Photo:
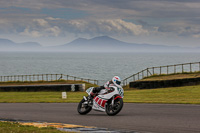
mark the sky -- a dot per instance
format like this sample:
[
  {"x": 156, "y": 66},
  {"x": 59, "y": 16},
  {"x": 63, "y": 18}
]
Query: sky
[{"x": 57, "y": 22}]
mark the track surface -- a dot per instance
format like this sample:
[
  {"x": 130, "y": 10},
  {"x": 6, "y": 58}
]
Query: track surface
[{"x": 160, "y": 118}]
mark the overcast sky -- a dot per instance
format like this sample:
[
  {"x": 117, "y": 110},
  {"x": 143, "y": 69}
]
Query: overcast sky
[{"x": 56, "y": 22}]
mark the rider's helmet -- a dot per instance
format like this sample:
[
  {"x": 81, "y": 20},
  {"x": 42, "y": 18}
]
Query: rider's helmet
[{"x": 116, "y": 80}]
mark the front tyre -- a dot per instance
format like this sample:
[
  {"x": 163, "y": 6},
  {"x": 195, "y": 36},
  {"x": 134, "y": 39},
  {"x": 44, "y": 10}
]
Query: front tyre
[
  {"x": 116, "y": 108},
  {"x": 83, "y": 107}
]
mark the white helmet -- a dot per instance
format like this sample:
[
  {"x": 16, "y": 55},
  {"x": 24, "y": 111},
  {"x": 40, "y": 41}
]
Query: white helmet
[{"x": 116, "y": 80}]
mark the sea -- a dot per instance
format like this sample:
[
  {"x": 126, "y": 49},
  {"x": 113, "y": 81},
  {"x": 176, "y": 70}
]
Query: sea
[{"x": 99, "y": 66}]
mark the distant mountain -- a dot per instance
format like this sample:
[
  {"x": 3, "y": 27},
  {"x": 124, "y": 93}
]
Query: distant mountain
[
  {"x": 8, "y": 45},
  {"x": 108, "y": 44},
  {"x": 97, "y": 44}
]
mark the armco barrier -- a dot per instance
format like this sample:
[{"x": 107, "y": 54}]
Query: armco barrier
[
  {"x": 169, "y": 69},
  {"x": 44, "y": 77},
  {"x": 52, "y": 87},
  {"x": 164, "y": 83}
]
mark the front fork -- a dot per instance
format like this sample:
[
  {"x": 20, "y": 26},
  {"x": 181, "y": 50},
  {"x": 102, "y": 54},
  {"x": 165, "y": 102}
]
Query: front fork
[
  {"x": 112, "y": 103},
  {"x": 87, "y": 101},
  {"x": 85, "y": 98}
]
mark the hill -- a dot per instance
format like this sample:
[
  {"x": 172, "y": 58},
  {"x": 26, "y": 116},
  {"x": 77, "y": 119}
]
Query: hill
[
  {"x": 97, "y": 44},
  {"x": 8, "y": 45},
  {"x": 108, "y": 44}
]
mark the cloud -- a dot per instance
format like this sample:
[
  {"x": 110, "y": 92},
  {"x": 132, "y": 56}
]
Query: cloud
[
  {"x": 53, "y": 31},
  {"x": 116, "y": 18},
  {"x": 41, "y": 28},
  {"x": 105, "y": 26},
  {"x": 51, "y": 18},
  {"x": 95, "y": 27},
  {"x": 114, "y": 8},
  {"x": 181, "y": 28},
  {"x": 34, "y": 34},
  {"x": 196, "y": 36},
  {"x": 41, "y": 22}
]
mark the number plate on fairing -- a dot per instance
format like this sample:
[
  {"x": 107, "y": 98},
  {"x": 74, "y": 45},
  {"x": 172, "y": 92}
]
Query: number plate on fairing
[{"x": 121, "y": 92}]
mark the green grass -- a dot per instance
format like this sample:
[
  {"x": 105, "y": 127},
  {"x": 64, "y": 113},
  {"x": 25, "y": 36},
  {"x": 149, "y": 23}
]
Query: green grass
[
  {"x": 172, "y": 76},
  {"x": 173, "y": 95},
  {"x": 39, "y": 97},
  {"x": 13, "y": 127},
  {"x": 182, "y": 95},
  {"x": 87, "y": 85}
]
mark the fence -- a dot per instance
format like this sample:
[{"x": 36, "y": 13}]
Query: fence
[
  {"x": 44, "y": 77},
  {"x": 170, "y": 69}
]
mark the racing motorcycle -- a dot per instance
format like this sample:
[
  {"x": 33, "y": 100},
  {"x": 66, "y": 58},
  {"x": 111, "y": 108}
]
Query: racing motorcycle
[{"x": 109, "y": 101}]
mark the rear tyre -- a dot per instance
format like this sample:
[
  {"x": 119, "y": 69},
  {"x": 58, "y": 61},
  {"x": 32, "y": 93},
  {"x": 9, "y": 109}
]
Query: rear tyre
[
  {"x": 116, "y": 108},
  {"x": 83, "y": 108}
]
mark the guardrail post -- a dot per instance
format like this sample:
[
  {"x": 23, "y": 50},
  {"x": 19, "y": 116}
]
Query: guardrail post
[
  {"x": 167, "y": 70},
  {"x": 160, "y": 70},
  {"x": 46, "y": 77},
  {"x": 142, "y": 73},
  {"x": 199, "y": 66},
  {"x": 174, "y": 68},
  {"x": 153, "y": 70},
  {"x": 182, "y": 68},
  {"x": 56, "y": 77}
]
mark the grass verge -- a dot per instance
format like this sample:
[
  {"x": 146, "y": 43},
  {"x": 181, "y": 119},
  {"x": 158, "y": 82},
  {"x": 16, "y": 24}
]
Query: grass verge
[
  {"x": 174, "y": 95},
  {"x": 172, "y": 76},
  {"x": 13, "y": 127},
  {"x": 87, "y": 84}
]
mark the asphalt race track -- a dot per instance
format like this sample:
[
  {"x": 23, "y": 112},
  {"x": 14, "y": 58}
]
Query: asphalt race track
[{"x": 159, "y": 118}]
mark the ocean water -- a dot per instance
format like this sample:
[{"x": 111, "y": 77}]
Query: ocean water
[{"x": 100, "y": 66}]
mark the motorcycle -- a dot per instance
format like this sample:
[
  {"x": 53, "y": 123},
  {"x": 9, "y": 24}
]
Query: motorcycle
[{"x": 109, "y": 101}]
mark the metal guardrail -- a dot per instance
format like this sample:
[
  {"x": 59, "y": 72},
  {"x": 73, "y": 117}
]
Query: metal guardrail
[
  {"x": 169, "y": 69},
  {"x": 44, "y": 77}
]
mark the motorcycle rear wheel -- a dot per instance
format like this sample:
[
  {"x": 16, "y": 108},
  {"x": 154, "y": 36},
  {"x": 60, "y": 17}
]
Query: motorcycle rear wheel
[
  {"x": 118, "y": 104},
  {"x": 83, "y": 109}
]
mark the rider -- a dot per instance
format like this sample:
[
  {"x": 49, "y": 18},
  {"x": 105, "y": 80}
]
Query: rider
[{"x": 116, "y": 81}]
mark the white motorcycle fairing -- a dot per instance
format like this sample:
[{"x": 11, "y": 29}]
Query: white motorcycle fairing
[{"x": 99, "y": 102}]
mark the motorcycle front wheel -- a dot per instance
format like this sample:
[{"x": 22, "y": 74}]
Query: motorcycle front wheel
[
  {"x": 116, "y": 108},
  {"x": 83, "y": 108}
]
